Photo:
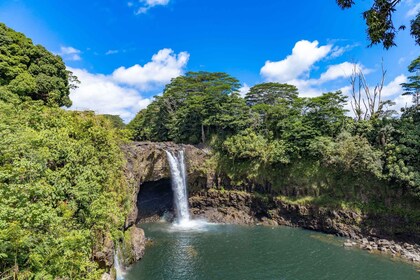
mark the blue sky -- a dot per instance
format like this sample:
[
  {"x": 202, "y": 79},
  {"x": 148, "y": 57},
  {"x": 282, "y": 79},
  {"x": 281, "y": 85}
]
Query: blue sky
[{"x": 125, "y": 51}]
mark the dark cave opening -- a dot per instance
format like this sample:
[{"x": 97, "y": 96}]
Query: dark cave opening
[{"x": 155, "y": 198}]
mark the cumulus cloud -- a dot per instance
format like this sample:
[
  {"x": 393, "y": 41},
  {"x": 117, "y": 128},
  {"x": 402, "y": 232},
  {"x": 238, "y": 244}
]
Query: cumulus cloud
[
  {"x": 164, "y": 66},
  {"x": 99, "y": 93},
  {"x": 121, "y": 93},
  {"x": 342, "y": 70},
  {"x": 296, "y": 67},
  {"x": 70, "y": 53},
  {"x": 244, "y": 90},
  {"x": 146, "y": 5},
  {"x": 303, "y": 57},
  {"x": 394, "y": 87}
]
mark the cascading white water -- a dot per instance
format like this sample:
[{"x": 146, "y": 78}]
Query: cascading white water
[
  {"x": 179, "y": 185},
  {"x": 118, "y": 270}
]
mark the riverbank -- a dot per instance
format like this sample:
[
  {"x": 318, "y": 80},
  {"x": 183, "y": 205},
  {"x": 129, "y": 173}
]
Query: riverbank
[{"x": 242, "y": 208}]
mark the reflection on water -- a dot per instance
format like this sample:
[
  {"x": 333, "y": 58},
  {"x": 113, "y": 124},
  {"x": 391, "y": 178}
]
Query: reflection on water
[{"x": 234, "y": 252}]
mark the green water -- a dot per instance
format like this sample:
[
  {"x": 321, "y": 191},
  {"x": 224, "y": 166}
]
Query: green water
[{"x": 234, "y": 252}]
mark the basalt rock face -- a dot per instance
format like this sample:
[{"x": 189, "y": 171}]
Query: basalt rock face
[
  {"x": 246, "y": 208},
  {"x": 370, "y": 232},
  {"x": 147, "y": 162}
]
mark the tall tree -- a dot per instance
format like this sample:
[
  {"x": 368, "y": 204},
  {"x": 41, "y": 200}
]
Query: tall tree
[
  {"x": 367, "y": 102},
  {"x": 32, "y": 72},
  {"x": 270, "y": 93},
  {"x": 380, "y": 26},
  {"x": 412, "y": 87},
  {"x": 193, "y": 107}
]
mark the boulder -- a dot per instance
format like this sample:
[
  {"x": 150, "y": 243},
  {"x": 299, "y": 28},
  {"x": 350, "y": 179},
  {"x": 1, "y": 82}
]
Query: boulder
[{"x": 133, "y": 245}]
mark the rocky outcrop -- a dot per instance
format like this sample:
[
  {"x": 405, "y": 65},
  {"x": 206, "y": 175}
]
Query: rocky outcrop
[
  {"x": 147, "y": 167},
  {"x": 245, "y": 208},
  {"x": 146, "y": 162},
  {"x": 404, "y": 250},
  {"x": 133, "y": 245},
  {"x": 103, "y": 251}
]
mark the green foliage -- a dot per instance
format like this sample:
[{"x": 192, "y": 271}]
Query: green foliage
[
  {"x": 193, "y": 107},
  {"x": 115, "y": 120},
  {"x": 270, "y": 94},
  {"x": 61, "y": 183},
  {"x": 412, "y": 87},
  {"x": 32, "y": 72},
  {"x": 415, "y": 28},
  {"x": 251, "y": 146},
  {"x": 380, "y": 26},
  {"x": 402, "y": 151},
  {"x": 350, "y": 154}
]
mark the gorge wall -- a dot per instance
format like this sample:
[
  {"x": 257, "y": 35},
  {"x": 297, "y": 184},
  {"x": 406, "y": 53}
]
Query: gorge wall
[
  {"x": 148, "y": 172},
  {"x": 147, "y": 167}
]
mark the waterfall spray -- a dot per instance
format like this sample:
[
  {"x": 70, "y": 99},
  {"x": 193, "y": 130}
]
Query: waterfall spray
[
  {"x": 118, "y": 270},
  {"x": 179, "y": 185}
]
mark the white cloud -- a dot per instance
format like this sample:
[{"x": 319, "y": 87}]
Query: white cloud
[
  {"x": 413, "y": 11},
  {"x": 402, "y": 101},
  {"x": 338, "y": 51},
  {"x": 146, "y": 5},
  {"x": 99, "y": 93},
  {"x": 342, "y": 70},
  {"x": 394, "y": 87},
  {"x": 109, "y": 52},
  {"x": 391, "y": 91},
  {"x": 303, "y": 57},
  {"x": 244, "y": 90},
  {"x": 164, "y": 66},
  {"x": 119, "y": 93},
  {"x": 70, "y": 53}
]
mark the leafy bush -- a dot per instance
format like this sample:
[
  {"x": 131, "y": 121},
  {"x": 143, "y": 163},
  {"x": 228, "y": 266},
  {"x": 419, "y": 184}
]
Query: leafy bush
[{"x": 61, "y": 183}]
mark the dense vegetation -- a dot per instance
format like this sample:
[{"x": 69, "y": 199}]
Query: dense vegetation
[
  {"x": 62, "y": 187},
  {"x": 61, "y": 182},
  {"x": 280, "y": 142}
]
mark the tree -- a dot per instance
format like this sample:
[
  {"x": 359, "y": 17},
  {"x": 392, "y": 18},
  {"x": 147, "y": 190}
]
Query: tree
[
  {"x": 192, "y": 108},
  {"x": 413, "y": 86},
  {"x": 270, "y": 93},
  {"x": 326, "y": 113},
  {"x": 365, "y": 103},
  {"x": 380, "y": 26},
  {"x": 32, "y": 72}
]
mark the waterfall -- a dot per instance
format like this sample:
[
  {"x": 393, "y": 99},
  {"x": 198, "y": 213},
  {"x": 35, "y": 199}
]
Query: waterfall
[
  {"x": 119, "y": 272},
  {"x": 179, "y": 185}
]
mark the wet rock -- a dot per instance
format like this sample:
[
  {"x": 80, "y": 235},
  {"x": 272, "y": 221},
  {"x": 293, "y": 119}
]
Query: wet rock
[
  {"x": 133, "y": 245},
  {"x": 106, "y": 276},
  {"x": 348, "y": 243},
  {"x": 147, "y": 162}
]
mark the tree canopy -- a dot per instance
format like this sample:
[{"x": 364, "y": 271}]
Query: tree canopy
[
  {"x": 32, "y": 72},
  {"x": 62, "y": 188},
  {"x": 270, "y": 93},
  {"x": 380, "y": 26}
]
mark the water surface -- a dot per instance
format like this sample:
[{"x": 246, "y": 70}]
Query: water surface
[{"x": 232, "y": 252}]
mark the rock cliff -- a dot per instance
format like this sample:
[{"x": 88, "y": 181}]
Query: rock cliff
[
  {"x": 146, "y": 162},
  {"x": 147, "y": 168}
]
